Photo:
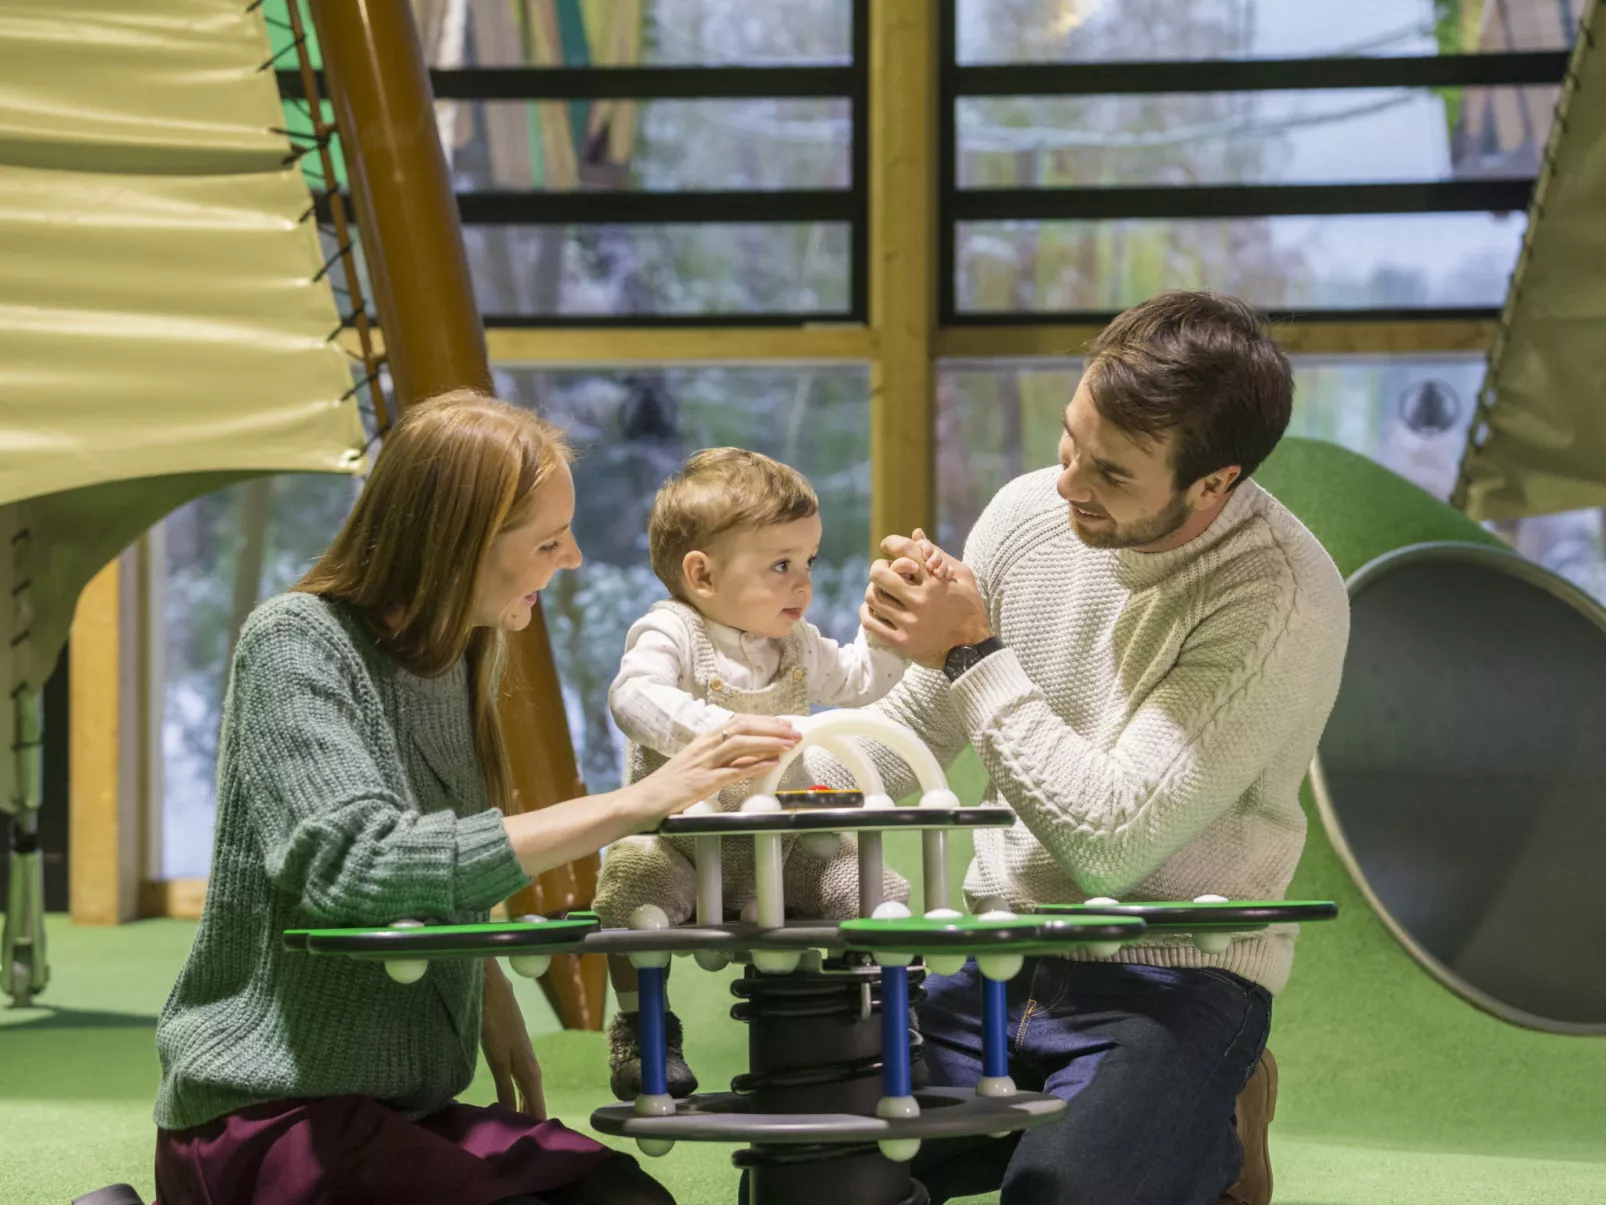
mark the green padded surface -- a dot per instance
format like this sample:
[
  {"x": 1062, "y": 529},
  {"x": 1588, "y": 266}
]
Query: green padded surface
[
  {"x": 1357, "y": 508},
  {"x": 1237, "y": 916},
  {"x": 443, "y": 941}
]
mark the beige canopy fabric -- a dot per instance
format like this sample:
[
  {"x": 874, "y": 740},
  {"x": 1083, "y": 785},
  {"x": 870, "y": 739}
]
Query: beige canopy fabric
[
  {"x": 1542, "y": 445},
  {"x": 162, "y": 329}
]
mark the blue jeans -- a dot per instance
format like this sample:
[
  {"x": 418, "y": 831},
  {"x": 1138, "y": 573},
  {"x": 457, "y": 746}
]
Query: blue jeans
[{"x": 1149, "y": 1060}]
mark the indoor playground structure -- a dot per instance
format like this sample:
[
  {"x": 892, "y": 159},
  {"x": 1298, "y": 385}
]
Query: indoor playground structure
[
  {"x": 235, "y": 243},
  {"x": 828, "y": 1103}
]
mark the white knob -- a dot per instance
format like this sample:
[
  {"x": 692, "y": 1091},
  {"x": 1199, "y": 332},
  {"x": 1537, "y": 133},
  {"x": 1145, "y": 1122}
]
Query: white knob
[
  {"x": 649, "y": 916},
  {"x": 406, "y": 970},
  {"x": 892, "y": 1108},
  {"x": 661, "y": 1105},
  {"x": 652, "y": 918},
  {"x": 999, "y": 966},
  {"x": 944, "y": 964},
  {"x": 777, "y": 962},
  {"x": 712, "y": 960},
  {"x": 891, "y": 910}
]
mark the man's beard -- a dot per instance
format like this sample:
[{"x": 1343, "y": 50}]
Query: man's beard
[{"x": 1138, "y": 532}]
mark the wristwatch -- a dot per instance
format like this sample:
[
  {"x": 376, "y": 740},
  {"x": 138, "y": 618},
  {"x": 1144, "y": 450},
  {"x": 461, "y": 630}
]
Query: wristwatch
[{"x": 963, "y": 657}]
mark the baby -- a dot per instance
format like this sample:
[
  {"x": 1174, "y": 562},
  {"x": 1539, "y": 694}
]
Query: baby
[{"x": 733, "y": 535}]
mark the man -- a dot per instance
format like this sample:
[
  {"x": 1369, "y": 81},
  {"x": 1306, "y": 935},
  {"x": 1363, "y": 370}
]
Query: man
[{"x": 1143, "y": 647}]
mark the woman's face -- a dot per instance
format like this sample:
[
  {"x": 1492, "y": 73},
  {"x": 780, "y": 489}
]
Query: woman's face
[{"x": 523, "y": 559}]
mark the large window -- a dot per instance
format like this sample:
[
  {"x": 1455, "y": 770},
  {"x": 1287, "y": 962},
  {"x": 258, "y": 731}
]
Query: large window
[
  {"x": 683, "y": 161},
  {"x": 1364, "y": 160},
  {"x": 1094, "y": 31},
  {"x": 224, "y": 553}
]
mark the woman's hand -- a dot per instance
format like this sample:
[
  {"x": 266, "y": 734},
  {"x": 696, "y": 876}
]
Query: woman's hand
[
  {"x": 745, "y": 748},
  {"x": 558, "y": 834},
  {"x": 506, "y": 1043}
]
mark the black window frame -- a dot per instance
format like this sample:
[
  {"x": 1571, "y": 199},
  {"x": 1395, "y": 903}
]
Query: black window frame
[
  {"x": 958, "y": 81},
  {"x": 849, "y": 207}
]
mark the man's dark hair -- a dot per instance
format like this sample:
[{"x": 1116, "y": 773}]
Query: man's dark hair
[{"x": 1199, "y": 365}]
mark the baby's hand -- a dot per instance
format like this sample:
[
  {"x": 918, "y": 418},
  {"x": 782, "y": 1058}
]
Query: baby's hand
[{"x": 936, "y": 562}]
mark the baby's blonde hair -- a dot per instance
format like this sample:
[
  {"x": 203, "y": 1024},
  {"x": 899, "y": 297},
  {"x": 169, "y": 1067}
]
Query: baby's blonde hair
[{"x": 716, "y": 491}]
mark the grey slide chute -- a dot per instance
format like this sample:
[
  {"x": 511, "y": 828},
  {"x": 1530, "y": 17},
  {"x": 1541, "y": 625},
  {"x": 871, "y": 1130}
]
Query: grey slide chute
[{"x": 1462, "y": 776}]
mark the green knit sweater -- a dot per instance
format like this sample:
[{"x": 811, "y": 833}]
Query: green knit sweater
[{"x": 349, "y": 794}]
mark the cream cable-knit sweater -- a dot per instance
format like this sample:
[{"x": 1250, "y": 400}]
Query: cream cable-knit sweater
[{"x": 1151, "y": 716}]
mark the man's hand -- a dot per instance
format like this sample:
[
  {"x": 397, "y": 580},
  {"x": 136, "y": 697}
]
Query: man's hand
[
  {"x": 922, "y": 602},
  {"x": 506, "y": 1043}
]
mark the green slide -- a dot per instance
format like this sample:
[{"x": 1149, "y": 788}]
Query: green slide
[{"x": 1393, "y": 1087}]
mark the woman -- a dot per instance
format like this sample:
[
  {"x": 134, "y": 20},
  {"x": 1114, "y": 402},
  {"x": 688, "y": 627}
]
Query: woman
[{"x": 362, "y": 779}]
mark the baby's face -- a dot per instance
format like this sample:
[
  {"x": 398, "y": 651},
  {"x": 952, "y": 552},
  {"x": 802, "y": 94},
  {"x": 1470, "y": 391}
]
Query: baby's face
[{"x": 759, "y": 579}]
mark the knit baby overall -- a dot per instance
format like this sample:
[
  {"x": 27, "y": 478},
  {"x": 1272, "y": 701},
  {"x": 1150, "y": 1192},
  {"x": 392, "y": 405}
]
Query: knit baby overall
[{"x": 662, "y": 870}]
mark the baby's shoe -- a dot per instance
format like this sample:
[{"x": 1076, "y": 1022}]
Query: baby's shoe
[{"x": 624, "y": 1057}]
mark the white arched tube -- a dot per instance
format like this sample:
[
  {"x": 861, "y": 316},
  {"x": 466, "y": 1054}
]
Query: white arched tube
[
  {"x": 856, "y": 760},
  {"x": 847, "y": 722}
]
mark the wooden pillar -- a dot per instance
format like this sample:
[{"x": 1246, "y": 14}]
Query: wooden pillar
[
  {"x": 903, "y": 265},
  {"x": 104, "y": 794},
  {"x": 378, "y": 82}
]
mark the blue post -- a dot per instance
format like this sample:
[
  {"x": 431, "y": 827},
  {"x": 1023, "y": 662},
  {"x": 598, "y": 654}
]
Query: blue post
[
  {"x": 895, "y": 1031},
  {"x": 654, "y": 1051},
  {"x": 994, "y": 1048}
]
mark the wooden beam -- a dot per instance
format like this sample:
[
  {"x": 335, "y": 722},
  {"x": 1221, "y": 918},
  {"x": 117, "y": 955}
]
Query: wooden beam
[
  {"x": 104, "y": 842},
  {"x": 903, "y": 264},
  {"x": 378, "y": 83},
  {"x": 180, "y": 898},
  {"x": 1385, "y": 338},
  {"x": 1057, "y": 340},
  {"x": 563, "y": 347}
]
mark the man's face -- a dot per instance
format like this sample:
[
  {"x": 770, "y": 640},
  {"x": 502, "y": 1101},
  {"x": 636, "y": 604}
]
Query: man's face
[{"x": 1122, "y": 492}]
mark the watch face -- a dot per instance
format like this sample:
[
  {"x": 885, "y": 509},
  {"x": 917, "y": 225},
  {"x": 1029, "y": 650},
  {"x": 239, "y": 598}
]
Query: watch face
[{"x": 960, "y": 659}]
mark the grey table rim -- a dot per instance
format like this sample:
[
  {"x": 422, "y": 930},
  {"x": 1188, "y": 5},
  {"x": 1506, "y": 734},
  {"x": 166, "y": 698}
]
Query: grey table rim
[
  {"x": 733, "y": 938},
  {"x": 813, "y": 820},
  {"x": 945, "y": 1113}
]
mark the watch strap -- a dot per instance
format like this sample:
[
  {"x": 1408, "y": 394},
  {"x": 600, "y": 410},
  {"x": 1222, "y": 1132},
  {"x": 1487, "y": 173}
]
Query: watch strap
[{"x": 964, "y": 657}]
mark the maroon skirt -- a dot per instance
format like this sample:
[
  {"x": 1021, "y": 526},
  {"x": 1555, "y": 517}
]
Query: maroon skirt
[{"x": 348, "y": 1150}]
